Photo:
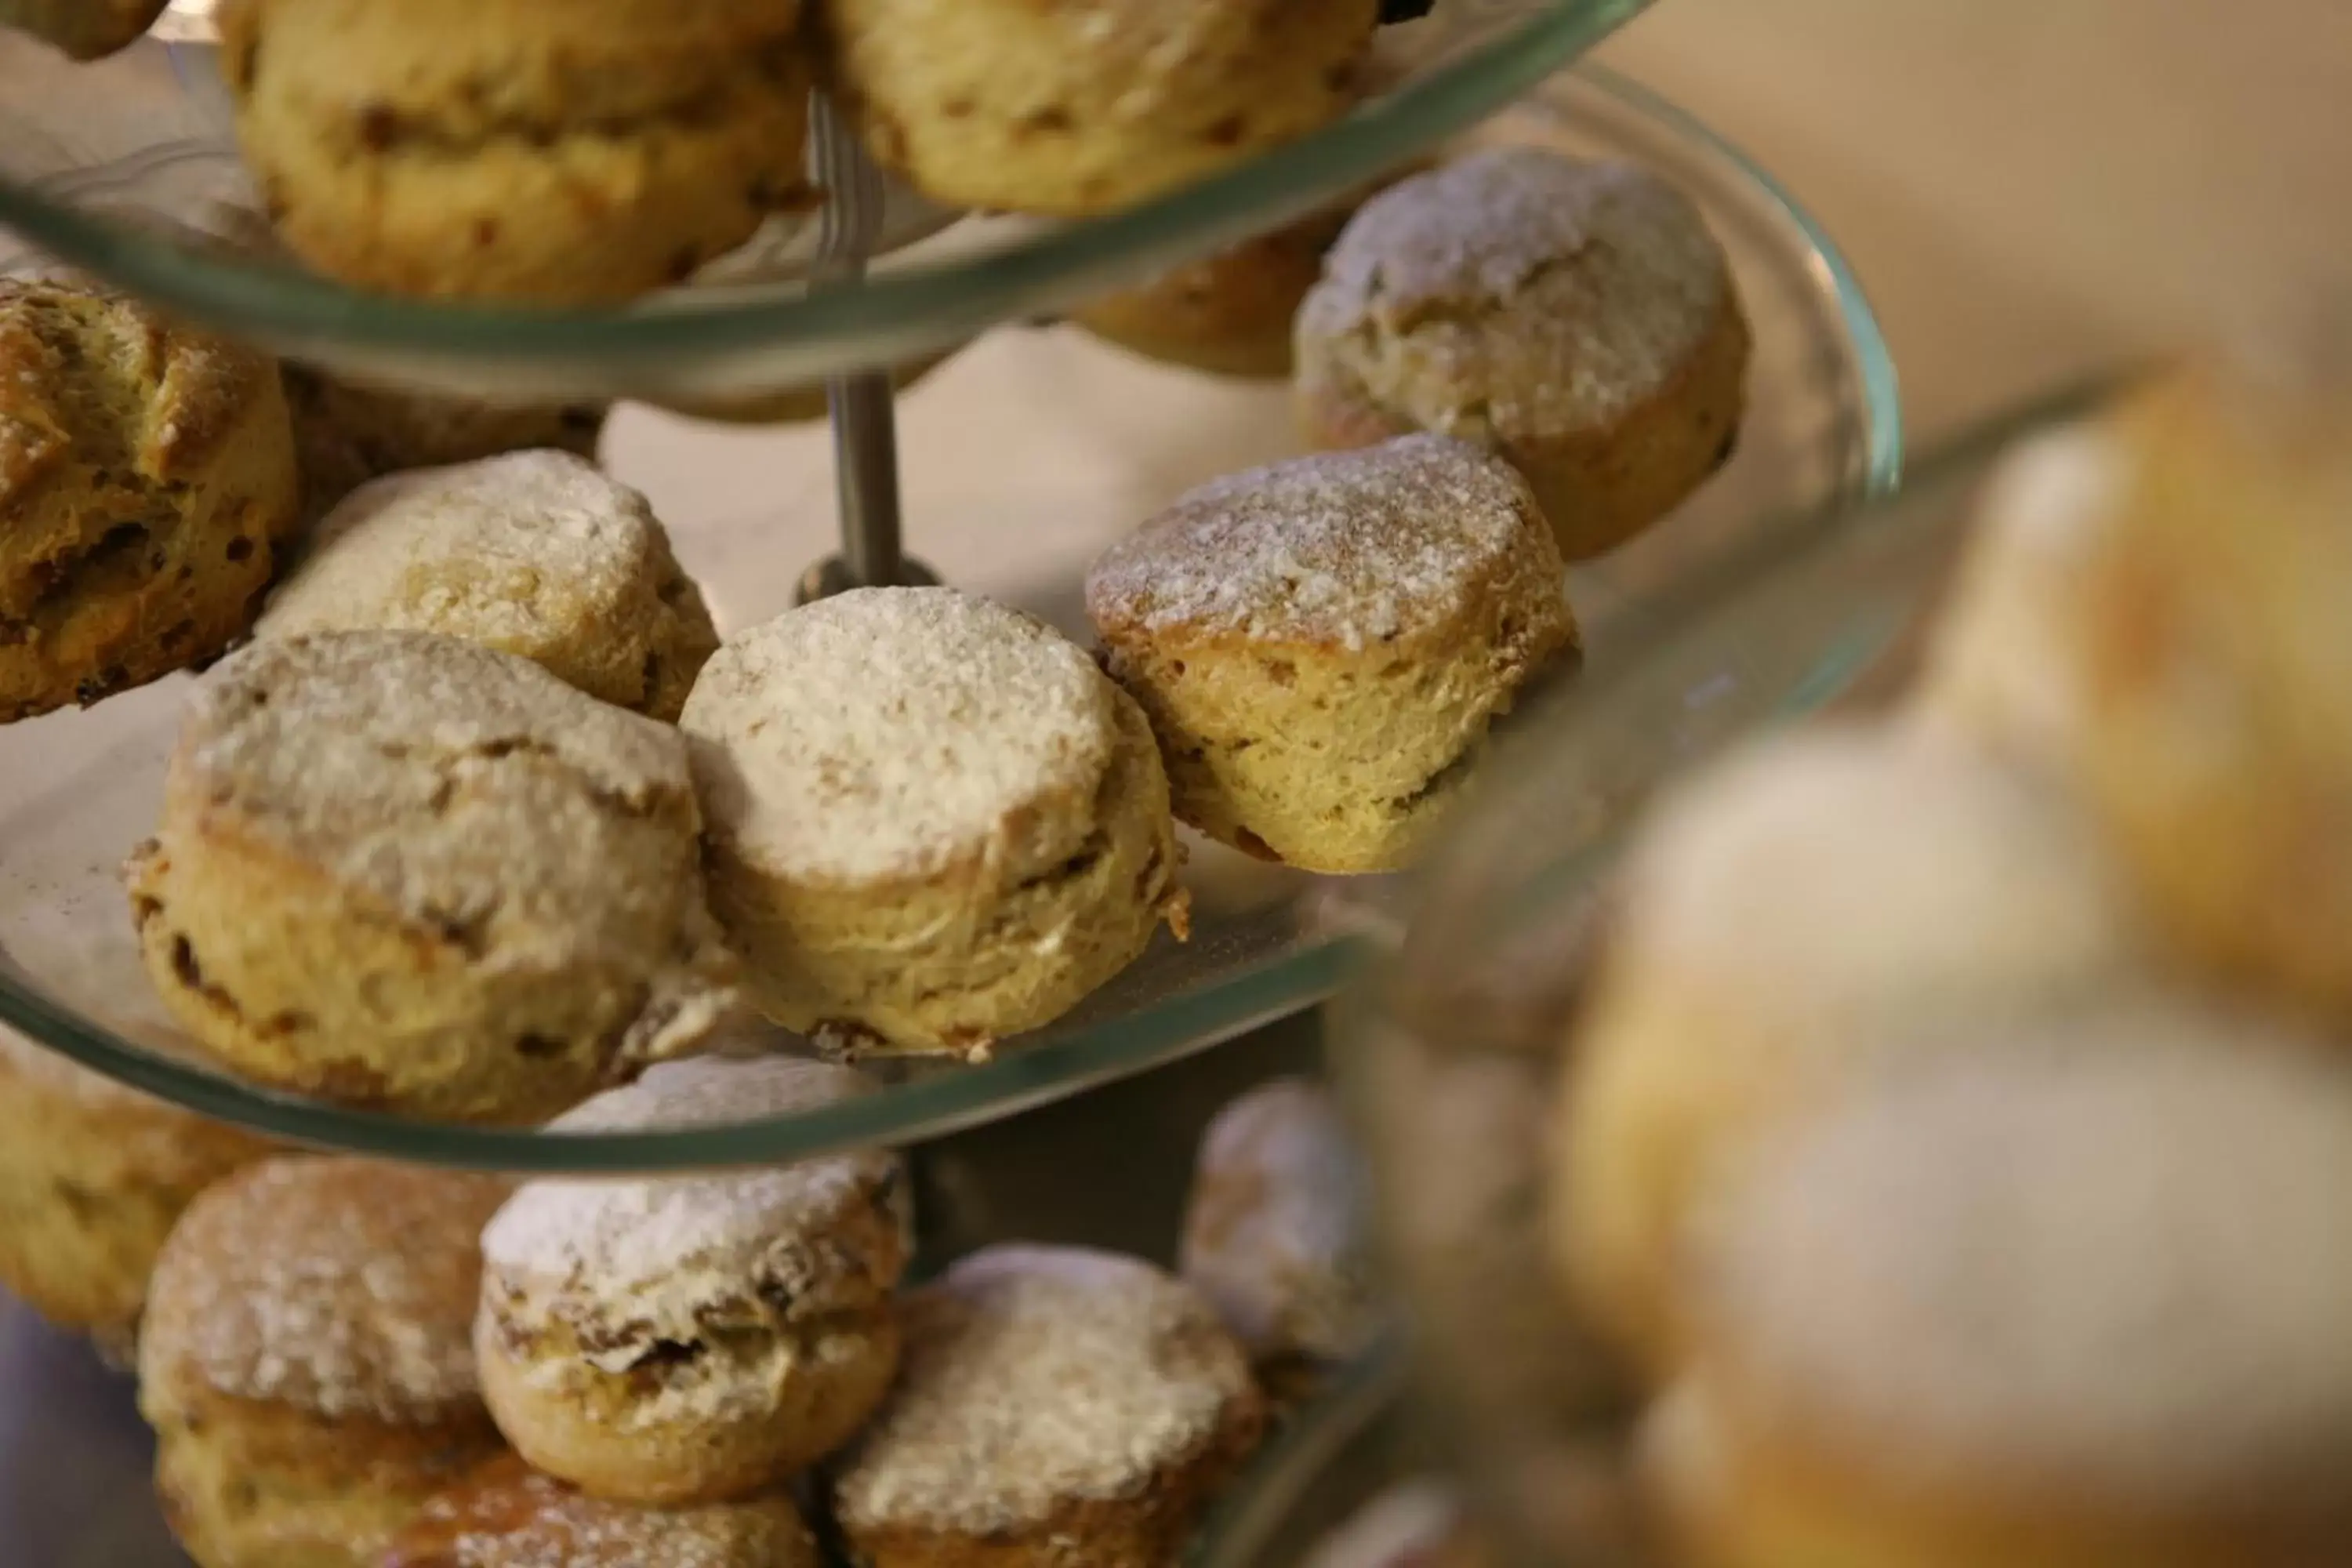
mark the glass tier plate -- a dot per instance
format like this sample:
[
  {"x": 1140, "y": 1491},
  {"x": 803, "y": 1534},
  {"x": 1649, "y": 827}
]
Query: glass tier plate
[
  {"x": 1449, "y": 1042},
  {"x": 1050, "y": 439},
  {"x": 128, "y": 169}
]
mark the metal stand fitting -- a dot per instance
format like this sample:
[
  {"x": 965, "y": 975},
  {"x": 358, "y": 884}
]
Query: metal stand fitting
[{"x": 862, "y": 406}]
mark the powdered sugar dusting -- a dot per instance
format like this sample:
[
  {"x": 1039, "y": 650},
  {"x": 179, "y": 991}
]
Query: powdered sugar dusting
[
  {"x": 507, "y": 1515},
  {"x": 894, "y": 731},
  {"x": 652, "y": 1250},
  {"x": 1035, "y": 1377},
  {"x": 1591, "y": 282},
  {"x": 1346, "y": 548},
  {"x": 2110, "y": 1255},
  {"x": 515, "y": 551},
  {"x": 337, "y": 1286}
]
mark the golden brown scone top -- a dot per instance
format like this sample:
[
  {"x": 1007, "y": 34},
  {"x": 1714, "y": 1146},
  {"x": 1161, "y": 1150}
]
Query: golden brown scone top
[
  {"x": 1388, "y": 544},
  {"x": 342, "y": 1287},
  {"x": 458, "y": 786},
  {"x": 1521, "y": 290},
  {"x": 1036, "y": 1378},
  {"x": 91, "y": 381},
  {"x": 507, "y": 1515}
]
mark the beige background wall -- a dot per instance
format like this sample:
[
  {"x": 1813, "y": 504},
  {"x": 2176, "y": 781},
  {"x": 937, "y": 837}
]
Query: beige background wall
[{"x": 2032, "y": 187}]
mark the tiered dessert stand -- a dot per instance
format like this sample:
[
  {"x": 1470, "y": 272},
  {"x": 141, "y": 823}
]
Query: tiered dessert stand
[{"x": 1005, "y": 471}]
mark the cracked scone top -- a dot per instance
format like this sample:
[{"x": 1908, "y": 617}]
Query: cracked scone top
[
  {"x": 1050, "y": 1396},
  {"x": 687, "y": 1339},
  {"x": 634, "y": 1261},
  {"x": 538, "y": 553},
  {"x": 399, "y": 869}
]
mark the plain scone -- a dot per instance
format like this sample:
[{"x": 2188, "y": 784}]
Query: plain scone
[
  {"x": 85, "y": 29},
  {"x": 506, "y": 150},
  {"x": 92, "y": 1178},
  {"x": 1577, "y": 318},
  {"x": 305, "y": 1364},
  {"x": 696, "y": 1339},
  {"x": 932, "y": 821},
  {"x": 1322, "y": 645},
  {"x": 1795, "y": 917},
  {"x": 507, "y": 1515},
  {"x": 346, "y": 434},
  {"x": 146, "y": 478},
  {"x": 1073, "y": 109},
  {"x": 2068, "y": 1296},
  {"x": 398, "y": 870},
  {"x": 535, "y": 553},
  {"x": 1058, "y": 1406}
]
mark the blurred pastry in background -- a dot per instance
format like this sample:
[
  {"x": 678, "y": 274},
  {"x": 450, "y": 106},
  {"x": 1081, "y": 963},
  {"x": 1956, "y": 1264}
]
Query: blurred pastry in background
[
  {"x": 619, "y": 148},
  {"x": 933, "y": 821},
  {"x": 93, "y": 1177},
  {"x": 1070, "y": 111},
  {"x": 347, "y": 432},
  {"x": 1419, "y": 1523},
  {"x": 1577, "y": 318},
  {"x": 402, "y": 871},
  {"x": 2005, "y": 661},
  {"x": 1276, "y": 1234},
  {"x": 146, "y": 480},
  {"x": 307, "y": 1359},
  {"x": 1323, "y": 645},
  {"x": 2070, "y": 1295},
  {"x": 85, "y": 29},
  {"x": 2215, "y": 743},
  {"x": 535, "y": 553},
  {"x": 1057, "y": 1406},
  {"x": 1787, "y": 921}
]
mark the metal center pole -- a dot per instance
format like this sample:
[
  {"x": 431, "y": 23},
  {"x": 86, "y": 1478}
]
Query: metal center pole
[{"x": 862, "y": 406}]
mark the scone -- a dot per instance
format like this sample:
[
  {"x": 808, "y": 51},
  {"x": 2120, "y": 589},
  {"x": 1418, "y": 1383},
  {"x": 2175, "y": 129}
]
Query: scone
[
  {"x": 1786, "y": 923},
  {"x": 1277, "y": 1236},
  {"x": 500, "y": 150},
  {"x": 507, "y": 1515},
  {"x": 86, "y": 30},
  {"x": 146, "y": 478},
  {"x": 2073, "y": 1298},
  {"x": 536, "y": 553},
  {"x": 1070, "y": 111},
  {"x": 695, "y": 1339},
  {"x": 1322, "y": 645},
  {"x": 401, "y": 872},
  {"x": 346, "y": 434},
  {"x": 1058, "y": 1407},
  {"x": 933, "y": 821},
  {"x": 1577, "y": 318},
  {"x": 2216, "y": 736},
  {"x": 1229, "y": 313},
  {"x": 93, "y": 1177},
  {"x": 305, "y": 1360}
]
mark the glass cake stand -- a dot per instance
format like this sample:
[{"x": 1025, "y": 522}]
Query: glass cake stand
[
  {"x": 1103, "y": 440},
  {"x": 128, "y": 170}
]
